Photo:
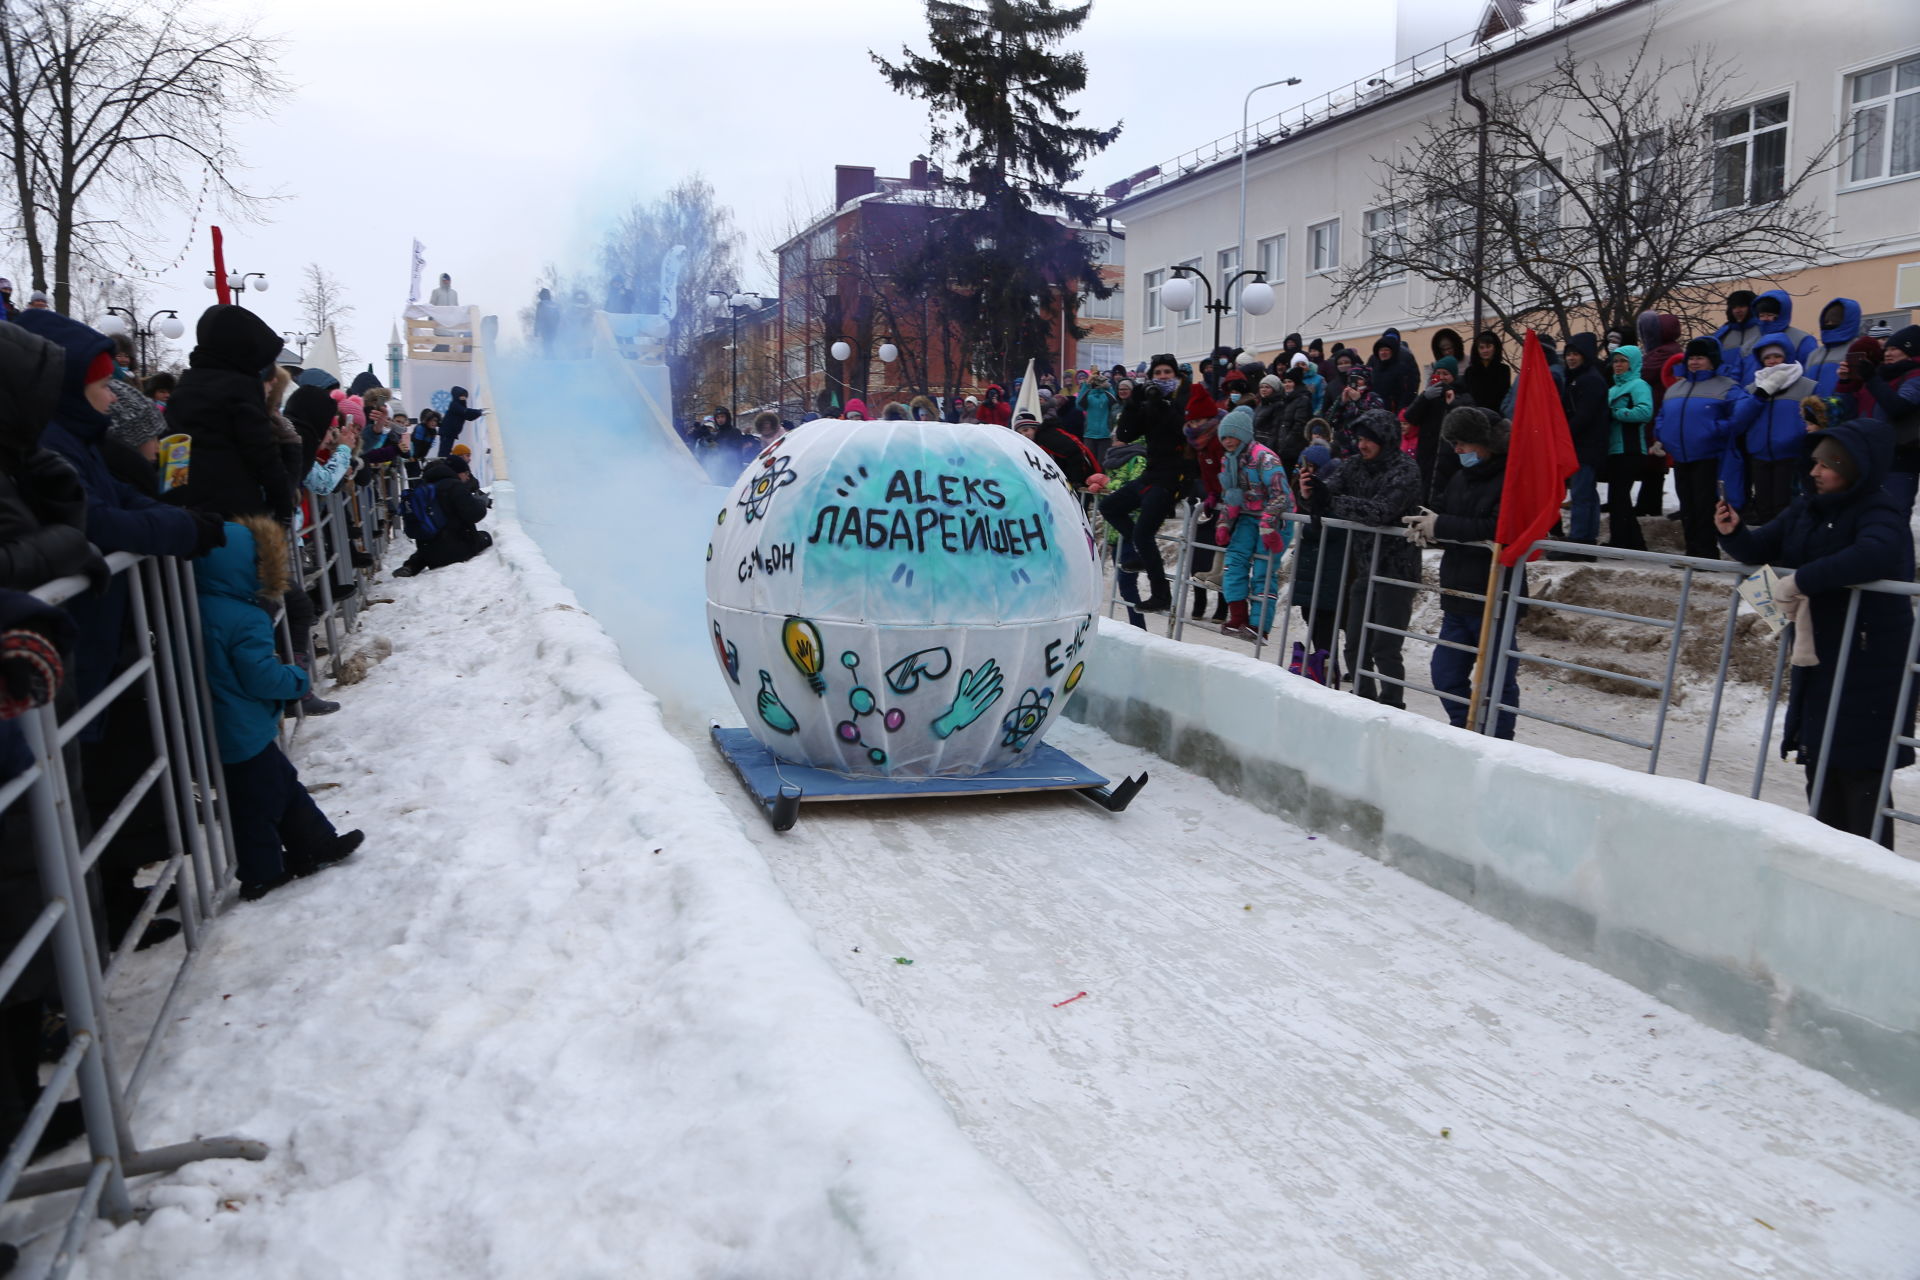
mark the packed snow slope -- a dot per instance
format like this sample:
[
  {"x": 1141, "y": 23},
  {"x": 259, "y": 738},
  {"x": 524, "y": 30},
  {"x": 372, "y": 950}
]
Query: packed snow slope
[
  {"x": 553, "y": 1019},
  {"x": 1290, "y": 1060}
]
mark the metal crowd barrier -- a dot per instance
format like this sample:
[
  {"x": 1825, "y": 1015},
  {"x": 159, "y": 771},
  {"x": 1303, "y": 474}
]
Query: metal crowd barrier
[
  {"x": 43, "y": 806},
  {"x": 1511, "y": 597}
]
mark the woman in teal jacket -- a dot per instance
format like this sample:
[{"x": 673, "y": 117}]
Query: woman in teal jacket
[
  {"x": 1098, "y": 401},
  {"x": 1630, "y": 407}
]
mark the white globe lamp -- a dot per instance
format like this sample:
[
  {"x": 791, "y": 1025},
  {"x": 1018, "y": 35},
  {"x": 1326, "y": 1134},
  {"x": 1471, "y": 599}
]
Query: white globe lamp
[
  {"x": 1256, "y": 297},
  {"x": 888, "y": 353},
  {"x": 1177, "y": 293},
  {"x": 172, "y": 327},
  {"x": 841, "y": 351},
  {"x": 112, "y": 326}
]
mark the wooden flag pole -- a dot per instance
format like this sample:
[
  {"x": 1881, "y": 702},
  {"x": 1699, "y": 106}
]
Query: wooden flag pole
[{"x": 1480, "y": 661}]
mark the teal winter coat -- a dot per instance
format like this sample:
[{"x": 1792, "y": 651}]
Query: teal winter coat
[{"x": 237, "y": 584}]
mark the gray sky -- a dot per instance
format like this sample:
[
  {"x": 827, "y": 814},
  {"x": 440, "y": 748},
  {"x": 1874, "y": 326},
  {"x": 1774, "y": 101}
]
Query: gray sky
[{"x": 505, "y": 135}]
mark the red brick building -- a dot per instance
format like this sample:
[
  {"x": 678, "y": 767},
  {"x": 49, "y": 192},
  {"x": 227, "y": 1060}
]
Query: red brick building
[{"x": 837, "y": 284}]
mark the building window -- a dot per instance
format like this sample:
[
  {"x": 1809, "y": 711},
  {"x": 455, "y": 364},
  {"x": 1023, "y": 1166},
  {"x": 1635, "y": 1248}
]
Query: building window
[
  {"x": 1193, "y": 313},
  {"x": 1270, "y": 255},
  {"x": 1323, "y": 246},
  {"x": 1536, "y": 199},
  {"x": 1111, "y": 307},
  {"x": 1226, "y": 262},
  {"x": 1386, "y": 233},
  {"x": 1750, "y": 154},
  {"x": 1156, "y": 314},
  {"x": 1639, "y": 170},
  {"x": 1886, "y": 122},
  {"x": 1101, "y": 355},
  {"x": 1453, "y": 231}
]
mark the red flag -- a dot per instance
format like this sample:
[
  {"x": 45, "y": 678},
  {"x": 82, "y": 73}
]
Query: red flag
[{"x": 1540, "y": 457}]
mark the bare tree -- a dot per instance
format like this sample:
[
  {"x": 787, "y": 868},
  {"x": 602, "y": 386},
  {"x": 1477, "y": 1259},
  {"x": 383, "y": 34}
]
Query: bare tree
[
  {"x": 688, "y": 215},
  {"x": 323, "y": 302},
  {"x": 1604, "y": 194},
  {"x": 115, "y": 108}
]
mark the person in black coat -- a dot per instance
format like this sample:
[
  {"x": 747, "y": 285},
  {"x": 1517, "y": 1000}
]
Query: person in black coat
[
  {"x": 43, "y": 509},
  {"x": 236, "y": 467},
  {"x": 455, "y": 419},
  {"x": 1845, "y": 528},
  {"x": 1467, "y": 486},
  {"x": 1395, "y": 373},
  {"x": 1156, "y": 414},
  {"x": 462, "y": 507},
  {"x": 1590, "y": 423},
  {"x": 1380, "y": 486},
  {"x": 1429, "y": 409},
  {"x": 1487, "y": 376}
]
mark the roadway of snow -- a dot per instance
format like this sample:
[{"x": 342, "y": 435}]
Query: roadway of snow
[{"x": 1293, "y": 1061}]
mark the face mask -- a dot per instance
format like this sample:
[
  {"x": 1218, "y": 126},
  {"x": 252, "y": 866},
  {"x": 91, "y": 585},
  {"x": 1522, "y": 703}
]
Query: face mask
[
  {"x": 1234, "y": 398},
  {"x": 1166, "y": 385},
  {"x": 1469, "y": 459}
]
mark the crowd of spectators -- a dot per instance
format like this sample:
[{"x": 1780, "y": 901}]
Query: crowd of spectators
[{"x": 229, "y": 466}]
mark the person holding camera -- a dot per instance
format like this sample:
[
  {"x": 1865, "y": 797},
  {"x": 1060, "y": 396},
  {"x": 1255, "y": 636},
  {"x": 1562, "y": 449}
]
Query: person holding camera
[{"x": 1154, "y": 413}]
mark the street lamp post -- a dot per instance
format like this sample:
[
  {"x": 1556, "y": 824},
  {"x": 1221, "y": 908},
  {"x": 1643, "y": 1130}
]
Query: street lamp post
[
  {"x": 238, "y": 282},
  {"x": 1245, "y": 106},
  {"x": 125, "y": 320},
  {"x": 301, "y": 338},
  {"x": 842, "y": 351},
  {"x": 736, "y": 304},
  {"x": 1177, "y": 294}
]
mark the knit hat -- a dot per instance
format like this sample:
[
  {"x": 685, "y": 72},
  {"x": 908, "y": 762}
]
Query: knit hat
[
  {"x": 1766, "y": 302},
  {"x": 1237, "y": 425},
  {"x": 39, "y": 295},
  {"x": 1907, "y": 340},
  {"x": 461, "y": 451},
  {"x": 1704, "y": 347},
  {"x": 1359, "y": 377},
  {"x": 1316, "y": 456},
  {"x": 1271, "y": 380},
  {"x": 855, "y": 408},
  {"x": 1465, "y": 424},
  {"x": 99, "y": 368},
  {"x": 1299, "y": 360},
  {"x": 1448, "y": 363}
]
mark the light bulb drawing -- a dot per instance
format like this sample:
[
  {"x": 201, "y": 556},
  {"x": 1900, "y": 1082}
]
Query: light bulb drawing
[{"x": 801, "y": 640}]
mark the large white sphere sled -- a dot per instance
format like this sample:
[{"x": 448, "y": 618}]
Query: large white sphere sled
[{"x": 901, "y": 599}]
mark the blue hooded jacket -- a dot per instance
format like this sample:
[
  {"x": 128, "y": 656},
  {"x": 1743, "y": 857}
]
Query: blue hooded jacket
[
  {"x": 1767, "y": 425},
  {"x": 1828, "y": 358},
  {"x": 1696, "y": 422},
  {"x": 1779, "y": 326},
  {"x": 245, "y": 676}
]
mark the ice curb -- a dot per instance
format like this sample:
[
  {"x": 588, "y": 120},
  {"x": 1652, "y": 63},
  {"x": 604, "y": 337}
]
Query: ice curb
[{"x": 1752, "y": 918}]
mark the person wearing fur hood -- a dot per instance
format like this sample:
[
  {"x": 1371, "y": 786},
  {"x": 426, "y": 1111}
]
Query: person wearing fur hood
[
  {"x": 1467, "y": 487},
  {"x": 1253, "y": 496},
  {"x": 278, "y": 831}
]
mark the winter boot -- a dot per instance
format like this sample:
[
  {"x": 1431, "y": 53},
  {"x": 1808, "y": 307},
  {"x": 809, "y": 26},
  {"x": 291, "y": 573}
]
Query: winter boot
[
  {"x": 1237, "y": 627},
  {"x": 1299, "y": 657},
  {"x": 1221, "y": 609},
  {"x": 313, "y": 704},
  {"x": 342, "y": 849},
  {"x": 1316, "y": 668},
  {"x": 1159, "y": 598}
]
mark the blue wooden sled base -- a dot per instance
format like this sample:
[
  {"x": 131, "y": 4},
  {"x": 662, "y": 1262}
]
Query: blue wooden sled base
[{"x": 780, "y": 788}]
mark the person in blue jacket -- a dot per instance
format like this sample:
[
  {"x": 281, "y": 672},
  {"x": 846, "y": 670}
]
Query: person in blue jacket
[
  {"x": 1769, "y": 434},
  {"x": 1695, "y": 429},
  {"x": 1101, "y": 405},
  {"x": 278, "y": 831},
  {"x": 1843, "y": 529},
  {"x": 1739, "y": 333},
  {"x": 118, "y": 517},
  {"x": 1839, "y": 326},
  {"x": 1774, "y": 309}
]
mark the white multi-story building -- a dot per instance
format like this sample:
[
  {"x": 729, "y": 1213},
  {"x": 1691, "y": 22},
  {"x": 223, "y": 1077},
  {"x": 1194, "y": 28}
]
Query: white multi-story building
[{"x": 1801, "y": 76}]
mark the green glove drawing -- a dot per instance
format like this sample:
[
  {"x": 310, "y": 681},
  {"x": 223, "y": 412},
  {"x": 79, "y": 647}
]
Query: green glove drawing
[{"x": 979, "y": 689}]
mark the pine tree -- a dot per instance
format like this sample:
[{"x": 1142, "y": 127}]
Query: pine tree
[{"x": 997, "y": 89}]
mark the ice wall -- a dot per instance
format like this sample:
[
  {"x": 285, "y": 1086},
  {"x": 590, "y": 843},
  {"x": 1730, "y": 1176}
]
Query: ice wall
[{"x": 1752, "y": 918}]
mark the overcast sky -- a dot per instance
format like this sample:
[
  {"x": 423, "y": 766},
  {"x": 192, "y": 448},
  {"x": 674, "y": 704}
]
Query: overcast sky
[{"x": 505, "y": 135}]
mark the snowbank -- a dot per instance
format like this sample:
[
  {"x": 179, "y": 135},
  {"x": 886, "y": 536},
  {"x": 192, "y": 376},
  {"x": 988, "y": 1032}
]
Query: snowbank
[
  {"x": 556, "y": 1019},
  {"x": 1751, "y": 918}
]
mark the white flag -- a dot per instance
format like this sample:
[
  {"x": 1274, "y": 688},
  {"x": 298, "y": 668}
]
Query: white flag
[{"x": 419, "y": 261}]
